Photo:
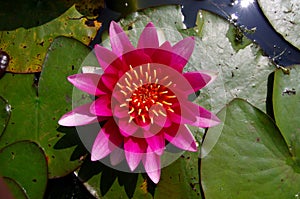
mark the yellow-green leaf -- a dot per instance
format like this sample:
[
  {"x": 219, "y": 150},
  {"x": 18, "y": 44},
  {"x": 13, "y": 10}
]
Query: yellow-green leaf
[{"x": 27, "y": 47}]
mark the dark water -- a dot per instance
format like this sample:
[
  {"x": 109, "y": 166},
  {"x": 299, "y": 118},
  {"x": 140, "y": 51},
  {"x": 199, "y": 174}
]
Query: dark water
[{"x": 272, "y": 43}]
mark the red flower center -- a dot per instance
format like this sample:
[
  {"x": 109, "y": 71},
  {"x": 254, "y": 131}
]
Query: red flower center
[{"x": 146, "y": 94}]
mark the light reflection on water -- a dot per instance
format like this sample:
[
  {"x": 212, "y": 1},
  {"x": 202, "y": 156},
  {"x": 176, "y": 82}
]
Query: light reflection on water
[
  {"x": 247, "y": 15},
  {"x": 246, "y": 3}
]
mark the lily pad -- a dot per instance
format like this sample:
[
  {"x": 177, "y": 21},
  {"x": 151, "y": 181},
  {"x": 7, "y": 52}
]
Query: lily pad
[
  {"x": 284, "y": 17},
  {"x": 27, "y": 47},
  {"x": 25, "y": 163},
  {"x": 250, "y": 159},
  {"x": 5, "y": 110},
  {"x": 286, "y": 103},
  {"x": 241, "y": 74},
  {"x": 35, "y": 111}
]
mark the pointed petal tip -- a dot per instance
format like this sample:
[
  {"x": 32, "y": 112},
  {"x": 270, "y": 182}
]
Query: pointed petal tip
[
  {"x": 193, "y": 147},
  {"x": 94, "y": 158},
  {"x": 114, "y": 24},
  {"x": 154, "y": 176},
  {"x": 148, "y": 37},
  {"x": 213, "y": 75},
  {"x": 150, "y": 25}
]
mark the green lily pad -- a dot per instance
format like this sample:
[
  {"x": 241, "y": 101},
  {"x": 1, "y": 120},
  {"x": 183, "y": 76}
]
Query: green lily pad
[
  {"x": 25, "y": 163},
  {"x": 250, "y": 159},
  {"x": 242, "y": 73},
  {"x": 5, "y": 110},
  {"x": 286, "y": 103},
  {"x": 15, "y": 189},
  {"x": 35, "y": 111},
  {"x": 284, "y": 17},
  {"x": 27, "y": 47}
]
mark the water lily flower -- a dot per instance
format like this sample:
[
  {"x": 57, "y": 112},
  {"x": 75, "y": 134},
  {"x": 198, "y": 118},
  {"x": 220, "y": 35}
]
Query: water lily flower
[{"x": 142, "y": 96}]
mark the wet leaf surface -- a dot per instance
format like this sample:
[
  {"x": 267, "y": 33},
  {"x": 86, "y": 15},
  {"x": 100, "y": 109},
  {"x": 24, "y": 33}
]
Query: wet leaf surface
[
  {"x": 4, "y": 114},
  {"x": 250, "y": 159}
]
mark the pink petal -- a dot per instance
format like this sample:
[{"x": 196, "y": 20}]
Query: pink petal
[
  {"x": 127, "y": 128},
  {"x": 148, "y": 38},
  {"x": 109, "y": 81},
  {"x": 199, "y": 79},
  {"x": 119, "y": 41},
  {"x": 116, "y": 156},
  {"x": 163, "y": 55},
  {"x": 134, "y": 151},
  {"x": 183, "y": 51},
  {"x": 166, "y": 46},
  {"x": 78, "y": 116},
  {"x": 156, "y": 143},
  {"x": 182, "y": 113},
  {"x": 105, "y": 57},
  {"x": 137, "y": 57},
  {"x": 181, "y": 137},
  {"x": 206, "y": 119},
  {"x": 152, "y": 165},
  {"x": 161, "y": 121},
  {"x": 107, "y": 140},
  {"x": 101, "y": 106},
  {"x": 87, "y": 82},
  {"x": 120, "y": 112},
  {"x": 194, "y": 115}
]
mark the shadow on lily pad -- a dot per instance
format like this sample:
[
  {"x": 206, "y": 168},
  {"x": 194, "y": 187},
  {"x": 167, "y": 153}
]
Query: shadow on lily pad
[
  {"x": 71, "y": 139},
  {"x": 109, "y": 175}
]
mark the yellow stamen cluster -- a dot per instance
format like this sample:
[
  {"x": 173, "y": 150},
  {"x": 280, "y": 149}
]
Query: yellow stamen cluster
[{"x": 145, "y": 93}]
